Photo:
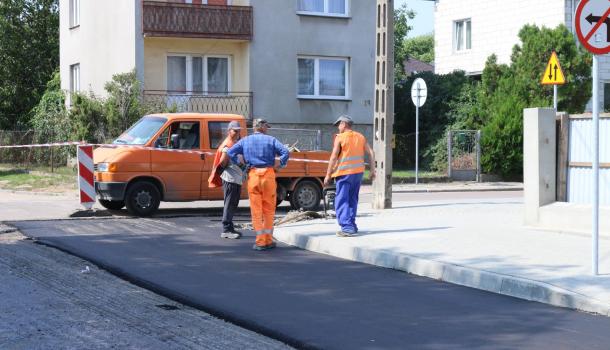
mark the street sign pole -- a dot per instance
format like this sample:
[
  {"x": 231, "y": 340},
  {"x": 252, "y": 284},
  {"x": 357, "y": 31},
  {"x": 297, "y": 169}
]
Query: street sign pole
[
  {"x": 589, "y": 20},
  {"x": 555, "y": 97},
  {"x": 417, "y": 137},
  {"x": 595, "y": 225},
  {"x": 419, "y": 94}
]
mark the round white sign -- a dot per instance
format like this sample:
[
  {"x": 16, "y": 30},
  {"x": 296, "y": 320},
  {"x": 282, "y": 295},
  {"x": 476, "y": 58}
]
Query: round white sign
[{"x": 419, "y": 92}]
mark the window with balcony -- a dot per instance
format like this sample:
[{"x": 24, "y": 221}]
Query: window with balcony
[
  {"x": 462, "y": 38},
  {"x": 323, "y": 78},
  {"x": 75, "y": 78},
  {"x": 336, "y": 8},
  {"x": 74, "y": 13},
  {"x": 198, "y": 74}
]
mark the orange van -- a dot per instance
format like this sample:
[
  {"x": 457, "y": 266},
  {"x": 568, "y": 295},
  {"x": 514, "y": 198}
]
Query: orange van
[{"x": 151, "y": 168}]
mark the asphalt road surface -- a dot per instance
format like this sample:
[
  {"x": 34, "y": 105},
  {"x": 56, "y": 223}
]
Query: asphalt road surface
[{"x": 310, "y": 300}]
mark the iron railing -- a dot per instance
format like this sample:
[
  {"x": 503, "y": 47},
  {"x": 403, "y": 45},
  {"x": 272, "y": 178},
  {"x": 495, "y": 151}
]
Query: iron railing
[
  {"x": 171, "y": 19},
  {"x": 200, "y": 102}
]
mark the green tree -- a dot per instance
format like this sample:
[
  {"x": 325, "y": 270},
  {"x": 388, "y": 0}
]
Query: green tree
[
  {"x": 402, "y": 16},
  {"x": 421, "y": 48},
  {"x": 29, "y": 54},
  {"x": 49, "y": 117},
  {"x": 123, "y": 106}
]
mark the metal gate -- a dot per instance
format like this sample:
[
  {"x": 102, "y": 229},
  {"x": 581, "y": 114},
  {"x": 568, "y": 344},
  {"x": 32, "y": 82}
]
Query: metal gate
[
  {"x": 464, "y": 155},
  {"x": 580, "y": 155}
]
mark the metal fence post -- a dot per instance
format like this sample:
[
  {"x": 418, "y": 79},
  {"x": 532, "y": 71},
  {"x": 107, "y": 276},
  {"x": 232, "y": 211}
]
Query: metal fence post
[
  {"x": 449, "y": 154},
  {"x": 479, "y": 156}
]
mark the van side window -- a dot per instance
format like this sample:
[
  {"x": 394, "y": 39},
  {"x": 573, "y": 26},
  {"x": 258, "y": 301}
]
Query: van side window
[
  {"x": 218, "y": 132},
  {"x": 188, "y": 135}
]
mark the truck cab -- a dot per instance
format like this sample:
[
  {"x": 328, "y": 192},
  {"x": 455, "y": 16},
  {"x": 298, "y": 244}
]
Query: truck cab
[{"x": 168, "y": 157}]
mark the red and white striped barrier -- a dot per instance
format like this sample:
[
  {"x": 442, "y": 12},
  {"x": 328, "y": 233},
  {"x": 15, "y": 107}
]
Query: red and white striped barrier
[{"x": 86, "y": 183}]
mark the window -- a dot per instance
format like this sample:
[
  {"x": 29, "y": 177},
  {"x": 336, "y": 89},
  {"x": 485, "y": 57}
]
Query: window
[
  {"x": 462, "y": 39},
  {"x": 199, "y": 74},
  {"x": 75, "y": 78},
  {"x": 188, "y": 135},
  {"x": 217, "y": 132},
  {"x": 322, "y": 7},
  {"x": 323, "y": 77},
  {"x": 74, "y": 13}
]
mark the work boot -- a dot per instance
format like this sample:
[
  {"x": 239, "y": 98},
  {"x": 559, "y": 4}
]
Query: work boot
[
  {"x": 263, "y": 247},
  {"x": 346, "y": 234},
  {"x": 230, "y": 235}
]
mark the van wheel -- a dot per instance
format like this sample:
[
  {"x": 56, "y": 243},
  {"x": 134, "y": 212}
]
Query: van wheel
[
  {"x": 142, "y": 198},
  {"x": 306, "y": 195},
  {"x": 112, "y": 205}
]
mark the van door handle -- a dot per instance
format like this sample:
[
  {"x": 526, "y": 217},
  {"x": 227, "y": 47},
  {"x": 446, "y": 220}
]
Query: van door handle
[{"x": 202, "y": 155}]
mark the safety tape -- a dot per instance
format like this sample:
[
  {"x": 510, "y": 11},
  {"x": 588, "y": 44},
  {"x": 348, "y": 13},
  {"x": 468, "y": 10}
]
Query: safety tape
[
  {"x": 75, "y": 143},
  {"x": 57, "y": 144}
]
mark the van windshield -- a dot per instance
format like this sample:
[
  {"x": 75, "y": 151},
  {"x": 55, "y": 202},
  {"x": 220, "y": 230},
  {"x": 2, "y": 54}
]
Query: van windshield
[{"x": 141, "y": 132}]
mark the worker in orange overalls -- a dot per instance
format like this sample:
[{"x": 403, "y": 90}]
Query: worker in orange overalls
[
  {"x": 346, "y": 166},
  {"x": 259, "y": 151}
]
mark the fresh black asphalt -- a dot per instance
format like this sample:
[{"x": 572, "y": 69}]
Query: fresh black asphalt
[{"x": 310, "y": 300}]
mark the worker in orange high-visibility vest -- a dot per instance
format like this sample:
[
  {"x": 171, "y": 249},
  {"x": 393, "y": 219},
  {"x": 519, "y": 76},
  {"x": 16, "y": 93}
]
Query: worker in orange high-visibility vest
[
  {"x": 346, "y": 166},
  {"x": 259, "y": 151}
]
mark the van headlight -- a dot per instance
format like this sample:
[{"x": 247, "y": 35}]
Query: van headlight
[{"x": 105, "y": 167}]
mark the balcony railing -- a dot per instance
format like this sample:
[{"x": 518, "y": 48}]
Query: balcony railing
[
  {"x": 170, "y": 19},
  {"x": 199, "y": 102}
]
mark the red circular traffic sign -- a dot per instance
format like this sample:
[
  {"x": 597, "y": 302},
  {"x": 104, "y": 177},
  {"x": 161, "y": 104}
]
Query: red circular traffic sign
[{"x": 591, "y": 15}]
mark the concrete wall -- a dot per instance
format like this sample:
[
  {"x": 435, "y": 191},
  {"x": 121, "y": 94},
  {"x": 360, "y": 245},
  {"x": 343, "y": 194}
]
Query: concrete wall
[
  {"x": 495, "y": 28},
  {"x": 156, "y": 51},
  {"x": 539, "y": 160},
  {"x": 104, "y": 44},
  {"x": 281, "y": 35}
]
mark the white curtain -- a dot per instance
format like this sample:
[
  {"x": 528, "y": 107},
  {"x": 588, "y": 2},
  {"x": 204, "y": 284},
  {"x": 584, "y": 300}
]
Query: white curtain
[
  {"x": 218, "y": 75},
  {"x": 306, "y": 76},
  {"x": 176, "y": 73},
  {"x": 332, "y": 77},
  {"x": 336, "y": 6},
  {"x": 459, "y": 36},
  {"x": 311, "y": 5}
]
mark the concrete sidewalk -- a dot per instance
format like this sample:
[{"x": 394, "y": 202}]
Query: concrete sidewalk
[
  {"x": 455, "y": 186},
  {"x": 476, "y": 243}
]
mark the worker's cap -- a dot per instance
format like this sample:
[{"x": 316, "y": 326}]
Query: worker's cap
[
  {"x": 260, "y": 122},
  {"x": 234, "y": 125},
  {"x": 344, "y": 118}
]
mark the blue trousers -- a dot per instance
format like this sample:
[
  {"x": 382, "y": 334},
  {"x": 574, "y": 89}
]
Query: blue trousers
[{"x": 346, "y": 201}]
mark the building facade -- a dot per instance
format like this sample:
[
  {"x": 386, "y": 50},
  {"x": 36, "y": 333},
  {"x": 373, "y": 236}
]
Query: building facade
[
  {"x": 299, "y": 63},
  {"x": 467, "y": 32}
]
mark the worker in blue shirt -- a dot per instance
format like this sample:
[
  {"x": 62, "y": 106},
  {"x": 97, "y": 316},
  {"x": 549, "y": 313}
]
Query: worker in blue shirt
[{"x": 259, "y": 151}]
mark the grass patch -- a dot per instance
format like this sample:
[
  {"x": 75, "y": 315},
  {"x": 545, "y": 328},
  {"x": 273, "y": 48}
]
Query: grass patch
[{"x": 37, "y": 179}]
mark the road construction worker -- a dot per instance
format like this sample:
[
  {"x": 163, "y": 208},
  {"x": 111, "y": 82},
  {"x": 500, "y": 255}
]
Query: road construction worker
[
  {"x": 259, "y": 151},
  {"x": 346, "y": 166},
  {"x": 230, "y": 176}
]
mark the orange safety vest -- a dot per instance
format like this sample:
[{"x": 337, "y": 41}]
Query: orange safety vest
[
  {"x": 351, "y": 157},
  {"x": 214, "y": 180}
]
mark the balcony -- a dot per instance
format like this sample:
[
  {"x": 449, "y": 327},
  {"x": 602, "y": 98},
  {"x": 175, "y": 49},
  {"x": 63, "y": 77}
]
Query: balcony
[
  {"x": 170, "y": 19},
  {"x": 199, "y": 102}
]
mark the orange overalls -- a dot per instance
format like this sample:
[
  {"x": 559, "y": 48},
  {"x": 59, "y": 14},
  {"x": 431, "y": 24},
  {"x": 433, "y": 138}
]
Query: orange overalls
[{"x": 262, "y": 192}]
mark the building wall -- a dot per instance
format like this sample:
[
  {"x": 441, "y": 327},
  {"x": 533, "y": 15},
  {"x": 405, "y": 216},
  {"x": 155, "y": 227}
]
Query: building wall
[
  {"x": 280, "y": 36},
  {"x": 156, "y": 51},
  {"x": 495, "y": 28},
  {"x": 104, "y": 44}
]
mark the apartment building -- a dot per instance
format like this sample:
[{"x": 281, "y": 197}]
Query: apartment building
[
  {"x": 299, "y": 63},
  {"x": 467, "y": 32}
]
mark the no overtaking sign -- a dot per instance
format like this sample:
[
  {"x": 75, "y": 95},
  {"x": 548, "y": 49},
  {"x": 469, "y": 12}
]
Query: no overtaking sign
[{"x": 593, "y": 25}]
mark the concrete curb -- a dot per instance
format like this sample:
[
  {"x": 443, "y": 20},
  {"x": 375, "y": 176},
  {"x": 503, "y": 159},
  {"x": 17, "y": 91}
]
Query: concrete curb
[
  {"x": 503, "y": 189},
  {"x": 513, "y": 286}
]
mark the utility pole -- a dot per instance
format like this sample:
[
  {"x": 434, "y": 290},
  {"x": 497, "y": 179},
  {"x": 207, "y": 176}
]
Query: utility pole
[{"x": 383, "y": 125}]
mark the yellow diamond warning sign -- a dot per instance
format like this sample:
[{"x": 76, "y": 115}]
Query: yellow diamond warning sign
[{"x": 553, "y": 75}]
